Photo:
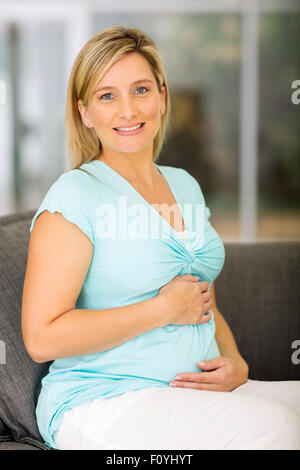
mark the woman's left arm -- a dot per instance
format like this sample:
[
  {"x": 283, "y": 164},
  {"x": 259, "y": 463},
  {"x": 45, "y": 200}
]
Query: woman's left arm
[{"x": 224, "y": 373}]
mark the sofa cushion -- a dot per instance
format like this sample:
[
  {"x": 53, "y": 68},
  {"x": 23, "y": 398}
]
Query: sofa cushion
[
  {"x": 5, "y": 434},
  {"x": 20, "y": 376},
  {"x": 11, "y": 445}
]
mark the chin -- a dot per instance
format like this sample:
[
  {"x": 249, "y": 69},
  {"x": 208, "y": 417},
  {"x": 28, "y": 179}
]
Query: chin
[{"x": 134, "y": 148}]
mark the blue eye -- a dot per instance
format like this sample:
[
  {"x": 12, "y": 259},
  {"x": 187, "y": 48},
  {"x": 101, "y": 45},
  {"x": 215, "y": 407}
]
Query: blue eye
[
  {"x": 105, "y": 95},
  {"x": 143, "y": 88},
  {"x": 109, "y": 99}
]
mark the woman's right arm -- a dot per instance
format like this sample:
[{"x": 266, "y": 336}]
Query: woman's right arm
[{"x": 59, "y": 257}]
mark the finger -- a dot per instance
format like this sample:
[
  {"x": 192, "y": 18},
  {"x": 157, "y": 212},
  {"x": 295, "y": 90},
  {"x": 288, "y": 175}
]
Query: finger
[
  {"x": 205, "y": 318},
  {"x": 206, "y": 296},
  {"x": 207, "y": 305},
  {"x": 211, "y": 363},
  {"x": 204, "y": 286},
  {"x": 199, "y": 377},
  {"x": 197, "y": 386}
]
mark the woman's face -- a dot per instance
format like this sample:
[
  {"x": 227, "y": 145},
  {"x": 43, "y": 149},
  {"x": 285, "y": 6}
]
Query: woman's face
[{"x": 125, "y": 97}]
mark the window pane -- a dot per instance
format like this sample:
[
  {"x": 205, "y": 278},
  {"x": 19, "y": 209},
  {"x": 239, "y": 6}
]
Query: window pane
[
  {"x": 201, "y": 54},
  {"x": 279, "y": 129},
  {"x": 38, "y": 101}
]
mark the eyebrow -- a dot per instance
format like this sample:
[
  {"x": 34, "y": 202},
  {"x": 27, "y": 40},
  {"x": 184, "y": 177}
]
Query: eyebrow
[{"x": 112, "y": 87}]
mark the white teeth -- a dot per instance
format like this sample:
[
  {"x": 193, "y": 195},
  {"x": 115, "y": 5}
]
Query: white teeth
[{"x": 128, "y": 128}]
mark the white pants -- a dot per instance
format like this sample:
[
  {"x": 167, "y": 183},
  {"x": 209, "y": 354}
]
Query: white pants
[{"x": 256, "y": 415}]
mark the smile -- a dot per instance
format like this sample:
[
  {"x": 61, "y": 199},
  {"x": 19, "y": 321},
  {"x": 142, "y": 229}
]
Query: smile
[{"x": 129, "y": 130}]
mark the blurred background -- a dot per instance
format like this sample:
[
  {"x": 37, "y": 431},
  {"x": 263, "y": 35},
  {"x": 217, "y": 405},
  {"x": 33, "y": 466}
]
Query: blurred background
[{"x": 233, "y": 69}]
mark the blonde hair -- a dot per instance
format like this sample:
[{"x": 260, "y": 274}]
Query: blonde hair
[{"x": 91, "y": 64}]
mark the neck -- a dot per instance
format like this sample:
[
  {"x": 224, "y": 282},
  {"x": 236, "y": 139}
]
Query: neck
[{"x": 137, "y": 170}]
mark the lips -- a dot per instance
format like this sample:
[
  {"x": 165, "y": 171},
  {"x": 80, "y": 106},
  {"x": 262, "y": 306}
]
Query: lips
[{"x": 129, "y": 128}]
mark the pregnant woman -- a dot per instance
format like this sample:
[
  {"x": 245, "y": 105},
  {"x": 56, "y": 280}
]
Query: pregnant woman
[{"x": 118, "y": 291}]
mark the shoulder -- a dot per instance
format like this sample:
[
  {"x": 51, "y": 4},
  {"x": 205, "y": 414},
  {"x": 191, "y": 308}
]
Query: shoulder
[
  {"x": 180, "y": 175},
  {"x": 71, "y": 196},
  {"x": 75, "y": 178},
  {"x": 72, "y": 185},
  {"x": 176, "y": 172},
  {"x": 186, "y": 185}
]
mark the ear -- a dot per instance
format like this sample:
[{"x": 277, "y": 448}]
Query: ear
[
  {"x": 163, "y": 97},
  {"x": 83, "y": 113}
]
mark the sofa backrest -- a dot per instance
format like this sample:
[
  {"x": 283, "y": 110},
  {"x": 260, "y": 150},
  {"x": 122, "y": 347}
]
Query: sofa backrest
[{"x": 258, "y": 292}]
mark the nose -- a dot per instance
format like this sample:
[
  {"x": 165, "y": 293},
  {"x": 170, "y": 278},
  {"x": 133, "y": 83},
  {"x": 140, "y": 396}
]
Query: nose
[{"x": 127, "y": 108}]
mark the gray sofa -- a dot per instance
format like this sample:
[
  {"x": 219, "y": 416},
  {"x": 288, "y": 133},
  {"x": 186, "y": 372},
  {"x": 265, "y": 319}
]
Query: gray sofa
[{"x": 257, "y": 292}]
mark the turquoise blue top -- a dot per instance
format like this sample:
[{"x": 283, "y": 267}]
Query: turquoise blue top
[{"x": 135, "y": 252}]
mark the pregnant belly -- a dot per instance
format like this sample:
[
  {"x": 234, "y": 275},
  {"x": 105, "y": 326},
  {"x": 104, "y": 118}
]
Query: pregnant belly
[{"x": 160, "y": 354}]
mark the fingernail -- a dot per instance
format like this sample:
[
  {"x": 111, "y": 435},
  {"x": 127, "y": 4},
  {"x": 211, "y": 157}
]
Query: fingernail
[
  {"x": 178, "y": 377},
  {"x": 201, "y": 364},
  {"x": 172, "y": 384}
]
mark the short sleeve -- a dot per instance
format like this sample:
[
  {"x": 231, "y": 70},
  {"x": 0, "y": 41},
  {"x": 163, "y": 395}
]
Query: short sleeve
[{"x": 69, "y": 195}]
